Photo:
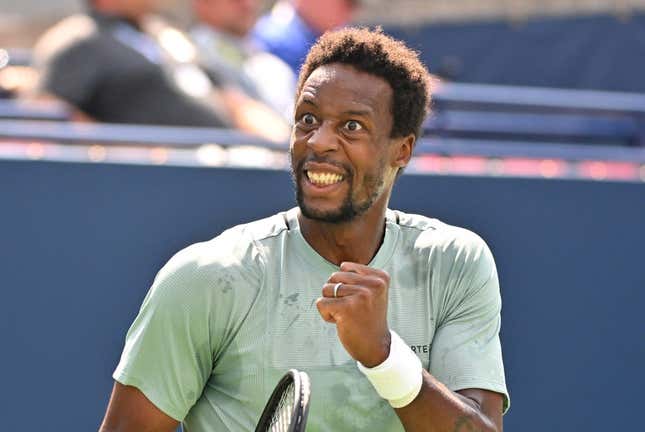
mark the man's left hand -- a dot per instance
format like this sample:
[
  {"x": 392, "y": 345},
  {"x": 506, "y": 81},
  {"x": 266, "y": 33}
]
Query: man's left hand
[{"x": 359, "y": 311}]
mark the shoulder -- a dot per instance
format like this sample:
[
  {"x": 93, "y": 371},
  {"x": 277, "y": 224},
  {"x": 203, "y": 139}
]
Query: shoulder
[
  {"x": 282, "y": 26},
  {"x": 272, "y": 25},
  {"x": 225, "y": 273},
  {"x": 238, "y": 251},
  {"x": 433, "y": 233},
  {"x": 460, "y": 264},
  {"x": 442, "y": 241},
  {"x": 72, "y": 33}
]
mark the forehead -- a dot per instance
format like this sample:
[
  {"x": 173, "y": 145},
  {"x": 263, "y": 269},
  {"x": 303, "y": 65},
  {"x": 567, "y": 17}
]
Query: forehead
[{"x": 340, "y": 84}]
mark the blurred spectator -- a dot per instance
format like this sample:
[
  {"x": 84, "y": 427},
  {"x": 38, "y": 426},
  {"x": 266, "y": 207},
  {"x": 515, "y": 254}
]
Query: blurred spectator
[
  {"x": 292, "y": 26},
  {"x": 231, "y": 58},
  {"x": 5, "y": 92},
  {"x": 17, "y": 78},
  {"x": 106, "y": 64}
]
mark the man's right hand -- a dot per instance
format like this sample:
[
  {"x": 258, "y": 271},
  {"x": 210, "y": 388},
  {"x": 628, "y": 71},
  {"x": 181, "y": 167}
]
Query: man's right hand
[{"x": 130, "y": 410}]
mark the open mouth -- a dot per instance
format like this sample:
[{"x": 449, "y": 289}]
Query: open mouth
[{"x": 323, "y": 178}]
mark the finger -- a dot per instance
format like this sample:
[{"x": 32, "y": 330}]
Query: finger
[
  {"x": 373, "y": 281},
  {"x": 344, "y": 290},
  {"x": 347, "y": 278},
  {"x": 364, "y": 270},
  {"x": 325, "y": 310},
  {"x": 333, "y": 310},
  {"x": 348, "y": 266}
]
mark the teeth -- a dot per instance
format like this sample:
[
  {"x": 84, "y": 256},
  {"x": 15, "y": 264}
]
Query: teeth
[{"x": 324, "y": 178}]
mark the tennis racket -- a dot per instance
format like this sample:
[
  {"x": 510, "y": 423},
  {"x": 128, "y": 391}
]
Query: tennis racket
[{"x": 288, "y": 406}]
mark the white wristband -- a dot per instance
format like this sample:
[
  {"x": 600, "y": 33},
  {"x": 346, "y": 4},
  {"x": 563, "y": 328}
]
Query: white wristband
[{"x": 399, "y": 378}]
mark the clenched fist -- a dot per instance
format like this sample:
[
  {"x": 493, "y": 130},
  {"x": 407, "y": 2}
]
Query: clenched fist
[{"x": 359, "y": 311}]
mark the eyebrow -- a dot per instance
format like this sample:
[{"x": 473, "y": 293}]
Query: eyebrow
[
  {"x": 362, "y": 113},
  {"x": 308, "y": 100},
  {"x": 355, "y": 112}
]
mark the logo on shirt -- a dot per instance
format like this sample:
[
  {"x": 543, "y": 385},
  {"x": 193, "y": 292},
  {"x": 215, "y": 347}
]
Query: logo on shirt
[{"x": 420, "y": 349}]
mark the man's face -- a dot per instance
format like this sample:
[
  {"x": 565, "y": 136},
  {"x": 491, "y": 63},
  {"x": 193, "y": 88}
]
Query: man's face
[
  {"x": 341, "y": 153},
  {"x": 232, "y": 16}
]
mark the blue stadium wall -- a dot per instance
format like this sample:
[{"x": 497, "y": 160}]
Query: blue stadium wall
[
  {"x": 81, "y": 243},
  {"x": 601, "y": 52}
]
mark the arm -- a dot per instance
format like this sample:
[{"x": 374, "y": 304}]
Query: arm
[
  {"x": 181, "y": 327},
  {"x": 130, "y": 411},
  {"x": 360, "y": 318},
  {"x": 472, "y": 410},
  {"x": 253, "y": 116},
  {"x": 166, "y": 359}
]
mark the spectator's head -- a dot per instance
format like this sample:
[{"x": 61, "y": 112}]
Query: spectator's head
[
  {"x": 378, "y": 54},
  {"x": 133, "y": 9},
  {"x": 236, "y": 17},
  {"x": 326, "y": 15}
]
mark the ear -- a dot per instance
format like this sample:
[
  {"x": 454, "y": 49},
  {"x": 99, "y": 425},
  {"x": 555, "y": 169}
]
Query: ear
[{"x": 402, "y": 150}]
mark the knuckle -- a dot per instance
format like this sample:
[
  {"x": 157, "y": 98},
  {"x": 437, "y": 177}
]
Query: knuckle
[
  {"x": 379, "y": 283},
  {"x": 319, "y": 304},
  {"x": 385, "y": 276},
  {"x": 363, "y": 294},
  {"x": 351, "y": 302}
]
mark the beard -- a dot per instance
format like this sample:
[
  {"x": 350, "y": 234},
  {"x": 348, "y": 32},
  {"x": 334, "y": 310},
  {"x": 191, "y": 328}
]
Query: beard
[{"x": 351, "y": 207}]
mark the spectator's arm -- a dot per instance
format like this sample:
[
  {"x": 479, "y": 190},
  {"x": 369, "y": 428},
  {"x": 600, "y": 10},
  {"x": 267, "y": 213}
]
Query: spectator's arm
[{"x": 255, "y": 117}]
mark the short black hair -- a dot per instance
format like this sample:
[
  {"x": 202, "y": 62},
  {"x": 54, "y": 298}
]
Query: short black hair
[{"x": 374, "y": 52}]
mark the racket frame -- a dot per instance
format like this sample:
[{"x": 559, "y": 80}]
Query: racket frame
[{"x": 300, "y": 408}]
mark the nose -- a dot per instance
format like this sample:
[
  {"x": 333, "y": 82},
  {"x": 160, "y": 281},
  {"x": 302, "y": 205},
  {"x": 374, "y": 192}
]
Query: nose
[{"x": 323, "y": 139}]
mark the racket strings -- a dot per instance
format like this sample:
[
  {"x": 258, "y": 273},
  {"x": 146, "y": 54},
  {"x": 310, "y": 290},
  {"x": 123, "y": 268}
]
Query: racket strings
[{"x": 281, "y": 420}]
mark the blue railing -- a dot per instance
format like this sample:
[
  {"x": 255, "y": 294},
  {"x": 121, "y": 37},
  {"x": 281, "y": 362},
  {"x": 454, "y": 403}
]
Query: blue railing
[
  {"x": 189, "y": 137},
  {"x": 465, "y": 111}
]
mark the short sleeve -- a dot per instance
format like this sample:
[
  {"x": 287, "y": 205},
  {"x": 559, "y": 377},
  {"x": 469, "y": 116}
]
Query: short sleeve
[
  {"x": 191, "y": 314},
  {"x": 73, "y": 73},
  {"x": 168, "y": 353},
  {"x": 466, "y": 350}
]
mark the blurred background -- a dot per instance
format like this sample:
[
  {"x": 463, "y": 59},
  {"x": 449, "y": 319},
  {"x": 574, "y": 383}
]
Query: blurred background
[{"x": 132, "y": 128}]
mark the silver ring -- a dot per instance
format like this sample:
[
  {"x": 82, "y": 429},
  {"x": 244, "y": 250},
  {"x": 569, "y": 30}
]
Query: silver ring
[{"x": 336, "y": 288}]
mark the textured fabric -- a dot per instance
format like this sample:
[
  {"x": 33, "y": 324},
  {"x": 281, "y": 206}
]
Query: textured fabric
[
  {"x": 112, "y": 71},
  {"x": 226, "y": 318}
]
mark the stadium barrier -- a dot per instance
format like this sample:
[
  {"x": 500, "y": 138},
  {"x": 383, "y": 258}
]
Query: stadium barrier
[
  {"x": 122, "y": 134},
  {"x": 537, "y": 99},
  {"x": 483, "y": 138},
  {"x": 464, "y": 111},
  {"x": 81, "y": 244},
  {"x": 33, "y": 110}
]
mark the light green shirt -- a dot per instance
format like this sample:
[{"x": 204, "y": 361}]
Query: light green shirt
[{"x": 224, "y": 319}]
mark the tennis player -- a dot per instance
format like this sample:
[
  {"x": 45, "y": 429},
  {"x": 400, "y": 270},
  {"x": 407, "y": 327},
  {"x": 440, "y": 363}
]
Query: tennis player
[{"x": 395, "y": 316}]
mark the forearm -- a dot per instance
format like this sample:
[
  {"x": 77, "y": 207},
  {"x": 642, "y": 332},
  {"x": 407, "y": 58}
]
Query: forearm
[{"x": 438, "y": 409}]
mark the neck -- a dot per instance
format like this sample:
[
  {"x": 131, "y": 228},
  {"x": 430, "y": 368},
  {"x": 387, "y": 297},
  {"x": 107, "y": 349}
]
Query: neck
[{"x": 355, "y": 241}]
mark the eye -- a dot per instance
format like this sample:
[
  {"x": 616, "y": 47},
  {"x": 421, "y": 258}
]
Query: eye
[
  {"x": 353, "y": 126},
  {"x": 308, "y": 119}
]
